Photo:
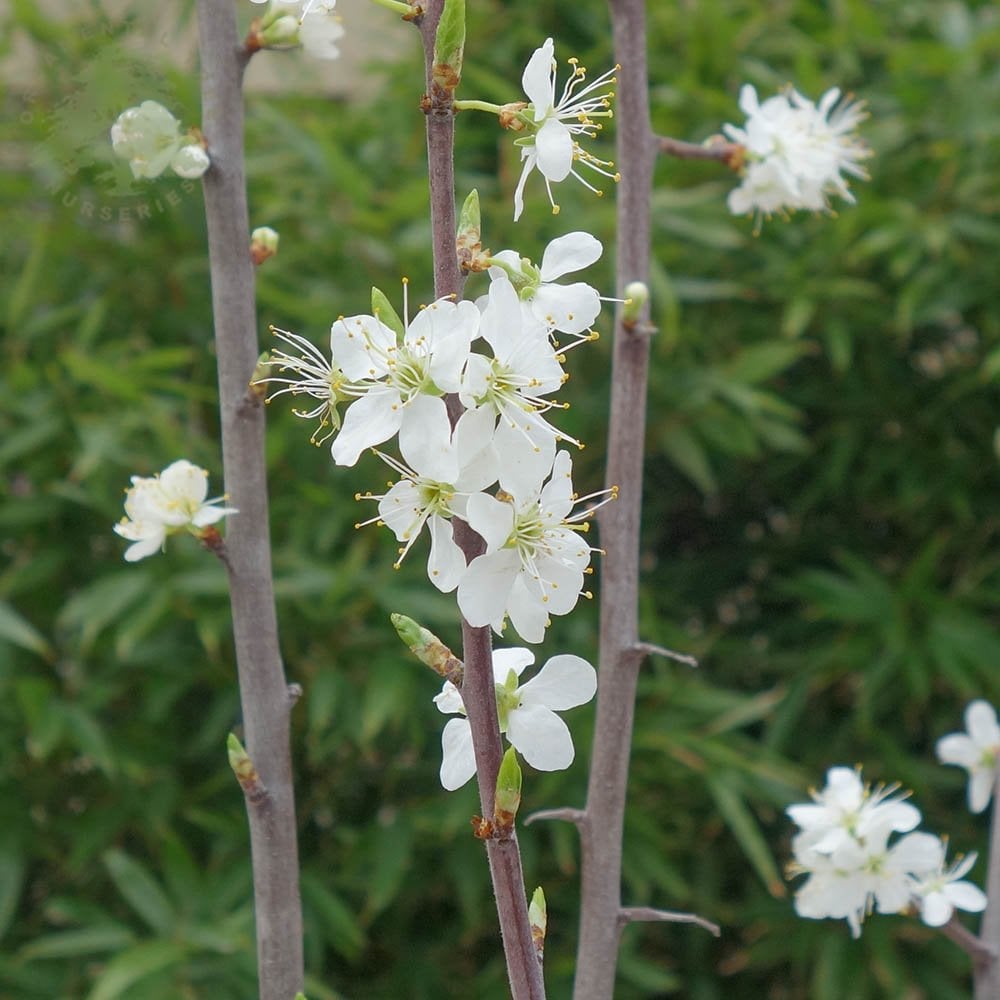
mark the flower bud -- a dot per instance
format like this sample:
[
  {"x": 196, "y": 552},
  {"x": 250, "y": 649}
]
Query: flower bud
[
  {"x": 449, "y": 45},
  {"x": 636, "y": 297},
  {"x": 508, "y": 792},
  {"x": 428, "y": 648},
  {"x": 263, "y": 244},
  {"x": 190, "y": 161},
  {"x": 538, "y": 919}
]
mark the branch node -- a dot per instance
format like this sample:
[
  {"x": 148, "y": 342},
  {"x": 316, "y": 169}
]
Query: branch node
[{"x": 636, "y": 914}]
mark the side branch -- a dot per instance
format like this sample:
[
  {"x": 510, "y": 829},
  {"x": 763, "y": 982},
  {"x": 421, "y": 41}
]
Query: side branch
[
  {"x": 635, "y": 914},
  {"x": 575, "y": 816},
  {"x": 981, "y": 954},
  {"x": 729, "y": 153},
  {"x": 264, "y": 693}
]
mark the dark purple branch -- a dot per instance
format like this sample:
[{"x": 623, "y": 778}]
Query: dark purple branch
[
  {"x": 264, "y": 694},
  {"x": 478, "y": 692}
]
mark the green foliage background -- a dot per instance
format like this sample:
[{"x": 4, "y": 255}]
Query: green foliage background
[{"x": 821, "y": 525}]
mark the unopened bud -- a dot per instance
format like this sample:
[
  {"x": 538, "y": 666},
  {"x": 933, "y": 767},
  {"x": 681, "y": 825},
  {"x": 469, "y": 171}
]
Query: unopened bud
[
  {"x": 468, "y": 240},
  {"x": 428, "y": 649},
  {"x": 263, "y": 244},
  {"x": 538, "y": 919},
  {"x": 636, "y": 297},
  {"x": 508, "y": 792},
  {"x": 449, "y": 45},
  {"x": 243, "y": 768}
]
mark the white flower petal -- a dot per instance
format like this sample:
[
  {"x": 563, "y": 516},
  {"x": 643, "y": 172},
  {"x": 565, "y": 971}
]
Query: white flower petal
[
  {"x": 541, "y": 737},
  {"x": 569, "y": 308},
  {"x": 369, "y": 420},
  {"x": 483, "y": 592},
  {"x": 458, "y": 762},
  {"x": 564, "y": 682},
  {"x": 569, "y": 253},
  {"x": 446, "y": 563},
  {"x": 554, "y": 148},
  {"x": 425, "y": 439}
]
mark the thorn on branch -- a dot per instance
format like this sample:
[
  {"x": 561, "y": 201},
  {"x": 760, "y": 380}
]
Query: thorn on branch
[
  {"x": 644, "y": 649},
  {"x": 575, "y": 816},
  {"x": 637, "y": 914}
]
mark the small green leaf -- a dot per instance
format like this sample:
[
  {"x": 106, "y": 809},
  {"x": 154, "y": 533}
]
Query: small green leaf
[
  {"x": 449, "y": 45},
  {"x": 382, "y": 310},
  {"x": 127, "y": 968},
  {"x": 16, "y": 629}
]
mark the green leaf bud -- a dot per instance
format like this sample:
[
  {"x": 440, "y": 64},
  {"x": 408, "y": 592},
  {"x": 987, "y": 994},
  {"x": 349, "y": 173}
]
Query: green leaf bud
[{"x": 382, "y": 309}]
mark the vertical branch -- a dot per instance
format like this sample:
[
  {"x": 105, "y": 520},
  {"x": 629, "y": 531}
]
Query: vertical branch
[
  {"x": 478, "y": 693},
  {"x": 602, "y": 823},
  {"x": 987, "y": 973},
  {"x": 264, "y": 694}
]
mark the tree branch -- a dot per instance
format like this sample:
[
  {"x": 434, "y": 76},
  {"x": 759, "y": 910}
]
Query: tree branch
[
  {"x": 981, "y": 955},
  {"x": 602, "y": 828},
  {"x": 263, "y": 691},
  {"x": 478, "y": 693},
  {"x": 987, "y": 971}
]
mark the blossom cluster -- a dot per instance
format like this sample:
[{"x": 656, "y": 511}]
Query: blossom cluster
[
  {"x": 162, "y": 505},
  {"x": 150, "y": 138},
  {"x": 796, "y": 152},
  {"x": 843, "y": 847},
  {"x": 500, "y": 466}
]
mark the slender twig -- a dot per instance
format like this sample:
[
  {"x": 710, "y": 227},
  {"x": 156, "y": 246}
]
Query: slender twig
[
  {"x": 634, "y": 914},
  {"x": 478, "y": 692},
  {"x": 263, "y": 691},
  {"x": 644, "y": 649},
  {"x": 569, "y": 815},
  {"x": 729, "y": 153},
  {"x": 981, "y": 954},
  {"x": 987, "y": 973}
]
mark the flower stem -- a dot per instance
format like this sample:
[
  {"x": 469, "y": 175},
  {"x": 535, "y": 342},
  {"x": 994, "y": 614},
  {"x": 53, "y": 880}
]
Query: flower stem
[
  {"x": 478, "y": 693},
  {"x": 264, "y": 695},
  {"x": 493, "y": 109},
  {"x": 399, "y": 6}
]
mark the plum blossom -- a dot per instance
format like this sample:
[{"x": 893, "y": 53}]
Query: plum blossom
[
  {"x": 387, "y": 374},
  {"x": 535, "y": 558},
  {"x": 568, "y": 308},
  {"x": 527, "y": 713},
  {"x": 516, "y": 384},
  {"x": 165, "y": 504},
  {"x": 977, "y": 751},
  {"x": 444, "y": 467},
  {"x": 847, "y": 809},
  {"x": 311, "y": 24},
  {"x": 843, "y": 848},
  {"x": 551, "y": 145},
  {"x": 940, "y": 891},
  {"x": 796, "y": 152},
  {"x": 150, "y": 138}
]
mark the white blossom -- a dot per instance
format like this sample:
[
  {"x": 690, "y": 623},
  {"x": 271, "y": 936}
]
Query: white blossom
[
  {"x": 796, "y": 152},
  {"x": 552, "y": 146},
  {"x": 527, "y": 713},
  {"x": 846, "y": 809},
  {"x": 535, "y": 558},
  {"x": 162, "y": 505},
  {"x": 568, "y": 308},
  {"x": 940, "y": 890},
  {"x": 444, "y": 468},
  {"x": 387, "y": 374},
  {"x": 977, "y": 751},
  {"x": 148, "y": 136}
]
